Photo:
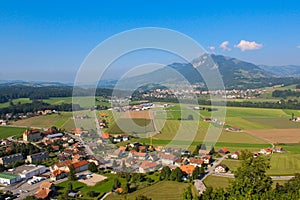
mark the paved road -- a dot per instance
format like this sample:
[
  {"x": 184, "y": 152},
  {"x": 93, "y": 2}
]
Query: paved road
[
  {"x": 108, "y": 193},
  {"x": 97, "y": 124},
  {"x": 274, "y": 178}
]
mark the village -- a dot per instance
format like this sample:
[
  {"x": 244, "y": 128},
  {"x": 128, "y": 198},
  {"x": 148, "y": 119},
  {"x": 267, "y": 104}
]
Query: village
[{"x": 45, "y": 158}]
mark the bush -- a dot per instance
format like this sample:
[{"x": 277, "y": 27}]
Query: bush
[{"x": 92, "y": 194}]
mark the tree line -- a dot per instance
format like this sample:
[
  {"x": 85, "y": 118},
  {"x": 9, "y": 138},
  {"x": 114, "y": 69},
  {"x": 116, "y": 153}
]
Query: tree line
[
  {"x": 10, "y": 92},
  {"x": 286, "y": 93},
  {"x": 36, "y": 106}
]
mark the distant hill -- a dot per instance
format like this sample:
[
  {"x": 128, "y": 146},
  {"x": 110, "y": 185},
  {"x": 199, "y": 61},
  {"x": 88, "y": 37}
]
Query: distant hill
[
  {"x": 235, "y": 74},
  {"x": 283, "y": 71}
]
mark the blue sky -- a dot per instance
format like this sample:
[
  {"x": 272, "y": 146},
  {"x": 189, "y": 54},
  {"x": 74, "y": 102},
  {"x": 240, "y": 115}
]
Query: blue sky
[{"x": 48, "y": 40}]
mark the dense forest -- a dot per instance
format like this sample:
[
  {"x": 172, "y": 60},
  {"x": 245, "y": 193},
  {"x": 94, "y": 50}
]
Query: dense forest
[
  {"x": 35, "y": 106},
  {"x": 9, "y": 92}
]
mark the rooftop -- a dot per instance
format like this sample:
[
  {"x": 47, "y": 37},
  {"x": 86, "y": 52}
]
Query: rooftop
[
  {"x": 7, "y": 175},
  {"x": 25, "y": 168}
]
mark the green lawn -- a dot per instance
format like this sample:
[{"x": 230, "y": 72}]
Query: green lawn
[
  {"x": 162, "y": 190},
  {"x": 101, "y": 187},
  {"x": 216, "y": 182},
  {"x": 6, "y": 131},
  {"x": 232, "y": 164}
]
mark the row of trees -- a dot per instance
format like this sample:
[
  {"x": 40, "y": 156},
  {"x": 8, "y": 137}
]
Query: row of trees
[
  {"x": 35, "y": 106},
  {"x": 285, "y": 93},
  {"x": 9, "y": 92}
]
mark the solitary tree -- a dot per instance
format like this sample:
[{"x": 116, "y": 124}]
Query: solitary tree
[
  {"x": 116, "y": 184},
  {"x": 72, "y": 173},
  {"x": 92, "y": 167}
]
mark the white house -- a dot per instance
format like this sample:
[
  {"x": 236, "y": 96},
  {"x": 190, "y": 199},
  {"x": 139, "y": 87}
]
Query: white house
[{"x": 221, "y": 168}]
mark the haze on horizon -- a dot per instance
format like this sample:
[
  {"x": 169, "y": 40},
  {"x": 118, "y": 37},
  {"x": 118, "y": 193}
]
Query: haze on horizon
[{"x": 48, "y": 41}]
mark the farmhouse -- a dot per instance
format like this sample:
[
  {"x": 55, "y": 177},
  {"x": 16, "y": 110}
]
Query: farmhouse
[
  {"x": 7, "y": 179},
  {"x": 223, "y": 150},
  {"x": 278, "y": 149},
  {"x": 235, "y": 155},
  {"x": 32, "y": 135},
  {"x": 79, "y": 132},
  {"x": 221, "y": 168},
  {"x": 266, "y": 151}
]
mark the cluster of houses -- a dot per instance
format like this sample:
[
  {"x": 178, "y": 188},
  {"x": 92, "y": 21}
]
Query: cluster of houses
[
  {"x": 12, "y": 116},
  {"x": 138, "y": 158},
  {"x": 230, "y": 94},
  {"x": 140, "y": 107}
]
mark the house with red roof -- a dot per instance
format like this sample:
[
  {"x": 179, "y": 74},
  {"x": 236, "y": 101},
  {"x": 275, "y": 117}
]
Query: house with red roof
[
  {"x": 223, "y": 151},
  {"x": 147, "y": 166},
  {"x": 187, "y": 169},
  {"x": 196, "y": 162}
]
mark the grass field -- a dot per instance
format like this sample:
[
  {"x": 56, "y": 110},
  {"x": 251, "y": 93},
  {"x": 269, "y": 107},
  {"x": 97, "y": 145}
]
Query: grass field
[
  {"x": 131, "y": 126},
  {"x": 6, "y": 131},
  {"x": 223, "y": 182},
  {"x": 216, "y": 182},
  {"x": 16, "y": 101},
  {"x": 232, "y": 164},
  {"x": 45, "y": 121},
  {"x": 281, "y": 164},
  {"x": 284, "y": 164},
  {"x": 278, "y": 123},
  {"x": 162, "y": 190}
]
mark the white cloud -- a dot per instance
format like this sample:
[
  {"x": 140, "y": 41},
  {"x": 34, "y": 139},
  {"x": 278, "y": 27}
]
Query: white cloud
[
  {"x": 245, "y": 45},
  {"x": 212, "y": 49},
  {"x": 298, "y": 46},
  {"x": 224, "y": 46}
]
